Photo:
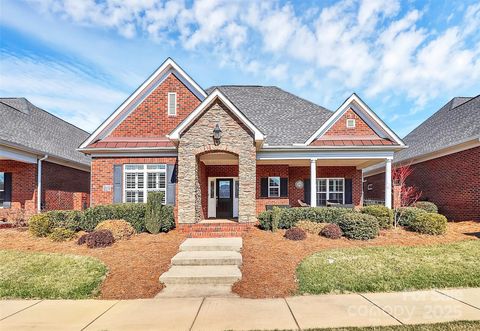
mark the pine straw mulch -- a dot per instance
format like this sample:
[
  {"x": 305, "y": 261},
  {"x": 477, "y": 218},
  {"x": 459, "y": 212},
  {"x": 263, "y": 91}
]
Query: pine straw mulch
[
  {"x": 134, "y": 265},
  {"x": 270, "y": 261}
]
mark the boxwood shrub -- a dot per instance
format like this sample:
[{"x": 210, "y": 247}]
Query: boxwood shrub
[
  {"x": 265, "y": 220},
  {"x": 40, "y": 225},
  {"x": 134, "y": 213},
  {"x": 359, "y": 226},
  {"x": 428, "y": 206},
  {"x": 66, "y": 219},
  {"x": 406, "y": 215},
  {"x": 383, "y": 214},
  {"x": 429, "y": 223}
]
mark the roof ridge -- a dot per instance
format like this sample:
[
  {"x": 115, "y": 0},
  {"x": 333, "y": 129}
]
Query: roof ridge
[{"x": 471, "y": 98}]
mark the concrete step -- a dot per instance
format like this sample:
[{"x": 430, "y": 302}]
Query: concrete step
[
  {"x": 218, "y": 274},
  {"x": 212, "y": 244},
  {"x": 199, "y": 258},
  {"x": 196, "y": 290}
]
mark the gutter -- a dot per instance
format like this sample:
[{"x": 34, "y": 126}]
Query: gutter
[{"x": 39, "y": 182}]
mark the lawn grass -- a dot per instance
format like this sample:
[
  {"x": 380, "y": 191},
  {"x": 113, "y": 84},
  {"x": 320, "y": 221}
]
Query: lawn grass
[
  {"x": 391, "y": 268},
  {"x": 450, "y": 326},
  {"x": 49, "y": 275}
]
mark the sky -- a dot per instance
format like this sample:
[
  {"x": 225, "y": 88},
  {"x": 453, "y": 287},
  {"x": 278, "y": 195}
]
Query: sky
[{"x": 80, "y": 59}]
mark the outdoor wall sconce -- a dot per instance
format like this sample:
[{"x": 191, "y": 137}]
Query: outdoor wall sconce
[{"x": 217, "y": 135}]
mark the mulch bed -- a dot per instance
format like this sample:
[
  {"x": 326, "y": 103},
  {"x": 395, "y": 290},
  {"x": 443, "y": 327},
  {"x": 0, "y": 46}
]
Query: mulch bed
[
  {"x": 270, "y": 260},
  {"x": 134, "y": 265}
]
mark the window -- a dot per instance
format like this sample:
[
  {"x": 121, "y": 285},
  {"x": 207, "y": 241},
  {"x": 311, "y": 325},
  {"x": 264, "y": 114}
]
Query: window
[
  {"x": 172, "y": 104},
  {"x": 350, "y": 123},
  {"x": 139, "y": 179},
  {"x": 2, "y": 188},
  {"x": 331, "y": 190},
  {"x": 273, "y": 186}
]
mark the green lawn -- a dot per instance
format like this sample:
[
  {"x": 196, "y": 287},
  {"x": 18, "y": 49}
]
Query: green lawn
[
  {"x": 49, "y": 275},
  {"x": 391, "y": 268},
  {"x": 451, "y": 326}
]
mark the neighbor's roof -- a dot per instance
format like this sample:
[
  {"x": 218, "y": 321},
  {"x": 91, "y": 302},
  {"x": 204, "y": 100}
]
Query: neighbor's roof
[
  {"x": 454, "y": 123},
  {"x": 25, "y": 125},
  {"x": 284, "y": 118}
]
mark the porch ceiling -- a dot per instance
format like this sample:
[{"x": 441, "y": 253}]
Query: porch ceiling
[
  {"x": 359, "y": 163},
  {"x": 219, "y": 158}
]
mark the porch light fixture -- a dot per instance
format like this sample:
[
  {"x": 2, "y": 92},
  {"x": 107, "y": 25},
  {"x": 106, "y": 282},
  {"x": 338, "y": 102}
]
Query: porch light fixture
[{"x": 217, "y": 135}]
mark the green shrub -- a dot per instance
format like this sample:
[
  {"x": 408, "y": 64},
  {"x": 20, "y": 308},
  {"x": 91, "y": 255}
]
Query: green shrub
[
  {"x": 120, "y": 229},
  {"x": 67, "y": 219},
  {"x": 429, "y": 223},
  {"x": 276, "y": 217},
  {"x": 291, "y": 216},
  {"x": 168, "y": 218},
  {"x": 428, "y": 206},
  {"x": 383, "y": 214},
  {"x": 61, "y": 234},
  {"x": 359, "y": 226},
  {"x": 265, "y": 220},
  {"x": 311, "y": 227},
  {"x": 40, "y": 225},
  {"x": 133, "y": 213},
  {"x": 94, "y": 215},
  {"x": 153, "y": 217},
  {"x": 405, "y": 215}
]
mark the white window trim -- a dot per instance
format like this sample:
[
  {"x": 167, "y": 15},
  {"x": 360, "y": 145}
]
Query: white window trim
[
  {"x": 145, "y": 172},
  {"x": 351, "y": 126},
  {"x": 170, "y": 94},
  {"x": 279, "y": 185},
  {"x": 327, "y": 192}
]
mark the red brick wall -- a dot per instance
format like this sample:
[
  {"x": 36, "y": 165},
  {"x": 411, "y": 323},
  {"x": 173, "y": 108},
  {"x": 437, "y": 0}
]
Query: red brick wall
[
  {"x": 63, "y": 186},
  {"x": 24, "y": 184},
  {"x": 301, "y": 173},
  {"x": 340, "y": 127},
  {"x": 102, "y": 174},
  {"x": 378, "y": 187},
  {"x": 150, "y": 118},
  {"x": 452, "y": 182}
]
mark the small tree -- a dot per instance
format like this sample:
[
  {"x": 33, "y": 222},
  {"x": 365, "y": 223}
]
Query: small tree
[
  {"x": 153, "y": 212},
  {"x": 407, "y": 195}
]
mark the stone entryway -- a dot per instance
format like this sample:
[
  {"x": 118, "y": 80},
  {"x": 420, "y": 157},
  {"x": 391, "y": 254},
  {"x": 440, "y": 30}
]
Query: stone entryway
[{"x": 204, "y": 267}]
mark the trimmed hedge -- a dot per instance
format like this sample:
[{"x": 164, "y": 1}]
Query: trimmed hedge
[
  {"x": 407, "y": 214},
  {"x": 429, "y": 223},
  {"x": 359, "y": 226},
  {"x": 133, "y": 213},
  {"x": 288, "y": 217},
  {"x": 67, "y": 219},
  {"x": 383, "y": 214},
  {"x": 428, "y": 206}
]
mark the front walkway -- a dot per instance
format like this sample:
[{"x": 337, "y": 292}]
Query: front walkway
[{"x": 243, "y": 314}]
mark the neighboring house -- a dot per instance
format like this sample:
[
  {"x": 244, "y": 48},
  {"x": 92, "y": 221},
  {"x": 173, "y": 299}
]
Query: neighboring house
[
  {"x": 232, "y": 151},
  {"x": 38, "y": 154},
  {"x": 444, "y": 153}
]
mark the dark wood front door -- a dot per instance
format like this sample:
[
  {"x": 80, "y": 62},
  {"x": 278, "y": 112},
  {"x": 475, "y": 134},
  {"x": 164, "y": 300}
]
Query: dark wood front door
[{"x": 224, "y": 198}]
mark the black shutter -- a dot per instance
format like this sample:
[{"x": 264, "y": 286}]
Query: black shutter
[
  {"x": 348, "y": 190},
  {"x": 117, "y": 183},
  {"x": 306, "y": 190},
  {"x": 283, "y": 187},
  {"x": 7, "y": 190},
  {"x": 264, "y": 187},
  {"x": 171, "y": 183}
]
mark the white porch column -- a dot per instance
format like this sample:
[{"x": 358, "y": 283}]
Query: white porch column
[
  {"x": 388, "y": 183},
  {"x": 313, "y": 182}
]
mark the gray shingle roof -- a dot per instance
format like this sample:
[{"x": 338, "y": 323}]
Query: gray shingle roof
[
  {"x": 284, "y": 118},
  {"x": 29, "y": 126},
  {"x": 454, "y": 123}
]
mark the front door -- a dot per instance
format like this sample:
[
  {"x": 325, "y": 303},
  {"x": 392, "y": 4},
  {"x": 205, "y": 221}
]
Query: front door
[{"x": 224, "y": 198}]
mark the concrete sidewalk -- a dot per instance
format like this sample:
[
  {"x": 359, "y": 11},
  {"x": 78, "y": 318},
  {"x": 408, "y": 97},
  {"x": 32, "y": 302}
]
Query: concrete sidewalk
[{"x": 210, "y": 314}]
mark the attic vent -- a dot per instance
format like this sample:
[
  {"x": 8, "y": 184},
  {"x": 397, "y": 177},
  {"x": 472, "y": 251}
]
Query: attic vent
[{"x": 350, "y": 123}]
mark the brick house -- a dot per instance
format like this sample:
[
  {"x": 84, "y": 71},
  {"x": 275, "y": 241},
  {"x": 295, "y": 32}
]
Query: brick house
[
  {"x": 444, "y": 153},
  {"x": 38, "y": 154},
  {"x": 230, "y": 152}
]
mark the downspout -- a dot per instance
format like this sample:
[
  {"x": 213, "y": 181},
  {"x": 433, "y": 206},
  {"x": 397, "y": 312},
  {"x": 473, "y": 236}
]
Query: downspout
[{"x": 39, "y": 182}]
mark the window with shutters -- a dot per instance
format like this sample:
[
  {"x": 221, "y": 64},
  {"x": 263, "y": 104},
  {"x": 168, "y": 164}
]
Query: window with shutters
[
  {"x": 273, "y": 187},
  {"x": 331, "y": 190},
  {"x": 2, "y": 188},
  {"x": 172, "y": 104},
  {"x": 139, "y": 179}
]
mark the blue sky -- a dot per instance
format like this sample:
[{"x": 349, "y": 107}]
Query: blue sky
[{"x": 81, "y": 59}]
